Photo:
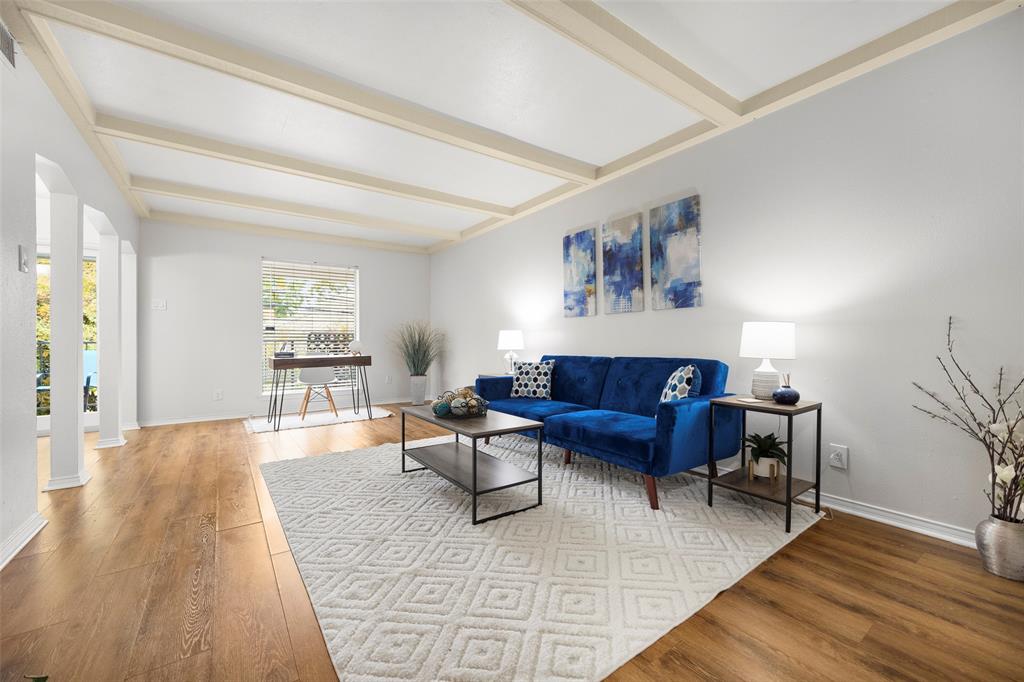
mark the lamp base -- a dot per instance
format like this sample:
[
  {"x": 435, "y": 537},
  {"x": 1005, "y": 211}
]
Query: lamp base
[
  {"x": 510, "y": 362},
  {"x": 766, "y": 380}
]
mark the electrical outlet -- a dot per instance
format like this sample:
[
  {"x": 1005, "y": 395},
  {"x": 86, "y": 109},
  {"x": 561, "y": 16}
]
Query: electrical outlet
[
  {"x": 387, "y": 379},
  {"x": 218, "y": 394},
  {"x": 838, "y": 456},
  {"x": 159, "y": 304}
]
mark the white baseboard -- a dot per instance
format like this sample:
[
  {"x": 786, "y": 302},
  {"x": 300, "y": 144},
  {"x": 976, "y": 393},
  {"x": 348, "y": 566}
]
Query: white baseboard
[
  {"x": 134, "y": 426},
  {"x": 891, "y": 517},
  {"x": 20, "y": 537},
  {"x": 110, "y": 443},
  {"x": 63, "y": 482}
]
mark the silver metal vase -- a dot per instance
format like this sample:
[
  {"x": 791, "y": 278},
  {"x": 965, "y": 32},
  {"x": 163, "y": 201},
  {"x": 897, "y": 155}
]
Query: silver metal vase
[{"x": 1001, "y": 545}]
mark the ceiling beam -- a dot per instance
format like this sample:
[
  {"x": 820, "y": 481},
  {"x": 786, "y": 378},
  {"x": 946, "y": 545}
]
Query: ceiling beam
[
  {"x": 136, "y": 131},
  {"x": 284, "y": 233},
  {"x": 41, "y": 46},
  {"x": 944, "y": 23},
  {"x": 597, "y": 30},
  {"x": 225, "y": 198},
  {"x": 152, "y": 33}
]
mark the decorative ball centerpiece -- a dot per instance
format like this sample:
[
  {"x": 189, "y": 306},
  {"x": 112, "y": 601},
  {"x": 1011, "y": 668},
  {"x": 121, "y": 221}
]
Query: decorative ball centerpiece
[{"x": 461, "y": 403}]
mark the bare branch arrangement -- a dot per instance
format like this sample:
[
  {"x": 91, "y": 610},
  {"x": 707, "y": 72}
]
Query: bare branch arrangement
[{"x": 996, "y": 422}]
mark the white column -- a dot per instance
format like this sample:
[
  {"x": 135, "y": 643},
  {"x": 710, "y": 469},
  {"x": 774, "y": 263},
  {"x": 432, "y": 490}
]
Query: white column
[
  {"x": 67, "y": 423},
  {"x": 129, "y": 339},
  {"x": 108, "y": 312}
]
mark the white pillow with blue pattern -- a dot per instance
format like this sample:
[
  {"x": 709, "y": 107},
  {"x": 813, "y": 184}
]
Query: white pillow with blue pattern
[{"x": 684, "y": 383}]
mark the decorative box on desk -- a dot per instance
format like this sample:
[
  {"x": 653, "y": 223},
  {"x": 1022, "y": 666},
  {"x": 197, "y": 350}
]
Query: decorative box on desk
[{"x": 766, "y": 488}]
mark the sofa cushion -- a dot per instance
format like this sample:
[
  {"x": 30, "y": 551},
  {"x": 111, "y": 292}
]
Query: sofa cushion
[
  {"x": 532, "y": 379},
  {"x": 533, "y": 408},
  {"x": 629, "y": 435},
  {"x": 578, "y": 379},
  {"x": 684, "y": 383},
  {"x": 634, "y": 384}
]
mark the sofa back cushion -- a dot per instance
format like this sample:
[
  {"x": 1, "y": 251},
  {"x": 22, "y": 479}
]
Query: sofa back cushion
[
  {"x": 578, "y": 379},
  {"x": 635, "y": 384}
]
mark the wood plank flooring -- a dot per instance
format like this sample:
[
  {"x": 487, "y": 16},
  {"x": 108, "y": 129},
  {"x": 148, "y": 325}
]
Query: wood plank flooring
[{"x": 171, "y": 564}]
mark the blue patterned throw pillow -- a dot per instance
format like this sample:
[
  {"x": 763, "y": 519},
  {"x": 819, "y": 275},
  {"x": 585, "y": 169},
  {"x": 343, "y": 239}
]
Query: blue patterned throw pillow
[
  {"x": 533, "y": 380},
  {"x": 684, "y": 383}
]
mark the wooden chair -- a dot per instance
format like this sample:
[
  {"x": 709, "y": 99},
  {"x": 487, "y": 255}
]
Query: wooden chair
[{"x": 317, "y": 380}]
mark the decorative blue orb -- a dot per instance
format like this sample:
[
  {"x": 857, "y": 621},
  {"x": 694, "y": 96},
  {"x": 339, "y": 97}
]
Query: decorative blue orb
[
  {"x": 786, "y": 395},
  {"x": 442, "y": 409}
]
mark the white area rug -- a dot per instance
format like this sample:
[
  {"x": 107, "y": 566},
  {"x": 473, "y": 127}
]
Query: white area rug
[
  {"x": 406, "y": 588},
  {"x": 259, "y": 424}
]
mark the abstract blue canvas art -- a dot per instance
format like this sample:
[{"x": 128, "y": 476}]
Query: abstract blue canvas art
[
  {"x": 675, "y": 254},
  {"x": 622, "y": 259},
  {"x": 579, "y": 267}
]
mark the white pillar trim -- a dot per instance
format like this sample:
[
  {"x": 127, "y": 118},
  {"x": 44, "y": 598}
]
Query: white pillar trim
[
  {"x": 108, "y": 303},
  {"x": 67, "y": 421}
]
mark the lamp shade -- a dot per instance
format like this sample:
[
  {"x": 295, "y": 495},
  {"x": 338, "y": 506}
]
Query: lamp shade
[
  {"x": 776, "y": 340},
  {"x": 510, "y": 339}
]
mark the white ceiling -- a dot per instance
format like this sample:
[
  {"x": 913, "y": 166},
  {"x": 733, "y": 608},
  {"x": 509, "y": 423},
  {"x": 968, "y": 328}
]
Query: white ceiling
[
  {"x": 747, "y": 47},
  {"x": 486, "y": 63}
]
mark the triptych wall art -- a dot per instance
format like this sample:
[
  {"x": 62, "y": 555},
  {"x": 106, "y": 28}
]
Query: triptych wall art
[{"x": 673, "y": 249}]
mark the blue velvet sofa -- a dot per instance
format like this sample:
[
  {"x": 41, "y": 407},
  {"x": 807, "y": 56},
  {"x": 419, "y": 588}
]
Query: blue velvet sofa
[{"x": 609, "y": 408}]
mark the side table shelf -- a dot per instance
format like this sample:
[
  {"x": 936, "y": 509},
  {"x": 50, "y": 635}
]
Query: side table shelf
[{"x": 761, "y": 487}]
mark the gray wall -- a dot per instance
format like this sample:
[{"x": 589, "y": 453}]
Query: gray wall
[{"x": 867, "y": 214}]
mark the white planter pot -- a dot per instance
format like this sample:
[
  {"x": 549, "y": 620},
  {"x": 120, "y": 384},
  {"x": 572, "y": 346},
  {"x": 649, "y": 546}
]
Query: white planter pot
[
  {"x": 418, "y": 389},
  {"x": 762, "y": 467}
]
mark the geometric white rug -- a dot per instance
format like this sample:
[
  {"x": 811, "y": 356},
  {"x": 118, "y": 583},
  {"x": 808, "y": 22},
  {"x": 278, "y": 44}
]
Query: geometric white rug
[
  {"x": 406, "y": 588},
  {"x": 259, "y": 424}
]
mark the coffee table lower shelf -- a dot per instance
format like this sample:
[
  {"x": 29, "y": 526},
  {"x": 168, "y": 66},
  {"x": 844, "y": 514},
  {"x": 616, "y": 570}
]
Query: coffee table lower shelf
[{"x": 454, "y": 463}]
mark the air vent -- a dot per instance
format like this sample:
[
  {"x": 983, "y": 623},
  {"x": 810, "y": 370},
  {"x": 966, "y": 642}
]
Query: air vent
[{"x": 7, "y": 44}]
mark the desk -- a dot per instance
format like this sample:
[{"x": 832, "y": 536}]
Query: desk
[{"x": 280, "y": 367}]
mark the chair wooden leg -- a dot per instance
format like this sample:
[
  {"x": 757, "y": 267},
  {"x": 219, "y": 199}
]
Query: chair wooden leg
[
  {"x": 652, "y": 490},
  {"x": 330, "y": 400},
  {"x": 305, "y": 403},
  {"x": 566, "y": 456}
]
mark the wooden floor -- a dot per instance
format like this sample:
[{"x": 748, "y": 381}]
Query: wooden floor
[{"x": 170, "y": 564}]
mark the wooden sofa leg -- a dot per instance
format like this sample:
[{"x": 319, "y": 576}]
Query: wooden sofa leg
[
  {"x": 566, "y": 456},
  {"x": 652, "y": 490}
]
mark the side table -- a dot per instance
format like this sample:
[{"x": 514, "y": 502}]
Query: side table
[{"x": 761, "y": 487}]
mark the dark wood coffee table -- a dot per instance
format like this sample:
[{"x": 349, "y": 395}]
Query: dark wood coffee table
[{"x": 478, "y": 473}]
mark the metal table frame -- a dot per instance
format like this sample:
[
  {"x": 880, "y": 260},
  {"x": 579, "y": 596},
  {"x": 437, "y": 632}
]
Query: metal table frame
[
  {"x": 767, "y": 407},
  {"x": 473, "y": 489},
  {"x": 281, "y": 366}
]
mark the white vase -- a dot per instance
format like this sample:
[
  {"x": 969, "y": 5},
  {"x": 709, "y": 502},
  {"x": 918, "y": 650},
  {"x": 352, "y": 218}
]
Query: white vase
[
  {"x": 762, "y": 467},
  {"x": 418, "y": 388}
]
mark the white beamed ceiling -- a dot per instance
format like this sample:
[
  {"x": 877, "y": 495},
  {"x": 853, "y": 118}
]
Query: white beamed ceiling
[
  {"x": 478, "y": 112},
  {"x": 747, "y": 47}
]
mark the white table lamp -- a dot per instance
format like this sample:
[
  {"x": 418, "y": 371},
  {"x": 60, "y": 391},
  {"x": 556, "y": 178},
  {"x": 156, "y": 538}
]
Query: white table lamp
[
  {"x": 510, "y": 340},
  {"x": 767, "y": 340}
]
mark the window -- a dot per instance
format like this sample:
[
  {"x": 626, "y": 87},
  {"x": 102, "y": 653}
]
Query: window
[{"x": 301, "y": 303}]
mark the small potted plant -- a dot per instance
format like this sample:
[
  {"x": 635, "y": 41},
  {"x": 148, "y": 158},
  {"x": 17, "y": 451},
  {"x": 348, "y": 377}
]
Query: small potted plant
[
  {"x": 766, "y": 454},
  {"x": 420, "y": 345},
  {"x": 995, "y": 420}
]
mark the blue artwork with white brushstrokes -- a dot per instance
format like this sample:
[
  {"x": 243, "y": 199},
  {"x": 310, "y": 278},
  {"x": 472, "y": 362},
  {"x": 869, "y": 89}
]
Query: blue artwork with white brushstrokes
[
  {"x": 579, "y": 267},
  {"x": 675, "y": 254},
  {"x": 622, "y": 254}
]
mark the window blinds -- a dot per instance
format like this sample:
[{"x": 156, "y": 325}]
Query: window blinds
[{"x": 299, "y": 299}]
